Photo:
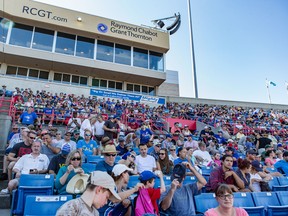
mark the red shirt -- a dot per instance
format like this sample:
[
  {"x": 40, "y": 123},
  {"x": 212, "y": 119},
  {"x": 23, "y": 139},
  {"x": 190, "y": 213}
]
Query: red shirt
[{"x": 154, "y": 195}]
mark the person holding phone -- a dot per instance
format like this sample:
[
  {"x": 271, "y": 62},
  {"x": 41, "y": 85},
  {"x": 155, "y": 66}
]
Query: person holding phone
[{"x": 178, "y": 198}]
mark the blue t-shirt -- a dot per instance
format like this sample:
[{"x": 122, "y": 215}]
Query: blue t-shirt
[
  {"x": 145, "y": 135},
  {"x": 282, "y": 164},
  {"x": 179, "y": 161},
  {"x": 87, "y": 148},
  {"x": 27, "y": 118},
  {"x": 103, "y": 166}
]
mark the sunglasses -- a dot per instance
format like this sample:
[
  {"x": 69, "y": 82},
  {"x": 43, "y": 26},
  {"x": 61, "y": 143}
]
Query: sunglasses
[
  {"x": 42, "y": 134},
  {"x": 132, "y": 156},
  {"x": 109, "y": 155},
  {"x": 172, "y": 149},
  {"x": 76, "y": 158},
  {"x": 162, "y": 154},
  {"x": 87, "y": 134},
  {"x": 32, "y": 138}
]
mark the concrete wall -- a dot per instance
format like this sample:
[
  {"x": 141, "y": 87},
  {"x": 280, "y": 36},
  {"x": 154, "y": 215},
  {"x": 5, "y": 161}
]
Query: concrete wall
[{"x": 5, "y": 125}]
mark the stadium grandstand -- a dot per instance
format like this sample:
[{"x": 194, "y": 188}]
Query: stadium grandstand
[{"x": 91, "y": 92}]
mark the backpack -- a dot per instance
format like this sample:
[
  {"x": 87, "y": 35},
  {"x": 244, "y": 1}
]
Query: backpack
[{"x": 143, "y": 203}]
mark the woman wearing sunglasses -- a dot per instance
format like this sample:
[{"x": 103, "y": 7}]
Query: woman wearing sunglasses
[
  {"x": 225, "y": 199},
  {"x": 69, "y": 170},
  {"x": 163, "y": 163}
]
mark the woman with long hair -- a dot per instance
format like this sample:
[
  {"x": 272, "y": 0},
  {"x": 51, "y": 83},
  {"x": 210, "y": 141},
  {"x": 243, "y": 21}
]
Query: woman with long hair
[
  {"x": 163, "y": 163},
  {"x": 243, "y": 171}
]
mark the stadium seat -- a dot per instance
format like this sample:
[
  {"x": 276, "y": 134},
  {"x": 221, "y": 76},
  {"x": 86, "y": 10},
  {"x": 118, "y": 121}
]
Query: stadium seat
[
  {"x": 270, "y": 201},
  {"x": 205, "y": 201},
  {"x": 190, "y": 180},
  {"x": 243, "y": 200},
  {"x": 44, "y": 205},
  {"x": 271, "y": 169},
  {"x": 133, "y": 180},
  {"x": 94, "y": 158},
  {"x": 167, "y": 181},
  {"x": 89, "y": 167},
  {"x": 283, "y": 181},
  {"x": 255, "y": 211},
  {"x": 283, "y": 197},
  {"x": 206, "y": 170},
  {"x": 30, "y": 184}
]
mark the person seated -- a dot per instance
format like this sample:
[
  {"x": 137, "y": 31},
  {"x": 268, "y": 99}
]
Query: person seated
[
  {"x": 33, "y": 163},
  {"x": 178, "y": 198},
  {"x": 282, "y": 165},
  {"x": 163, "y": 162},
  {"x": 203, "y": 156},
  {"x": 225, "y": 199},
  {"x": 87, "y": 146},
  {"x": 66, "y": 173},
  {"x": 99, "y": 189},
  {"x": 243, "y": 171},
  {"x": 121, "y": 146},
  {"x": 128, "y": 159},
  {"x": 145, "y": 161},
  {"x": 108, "y": 163},
  {"x": 59, "y": 160},
  {"x": 48, "y": 148},
  {"x": 224, "y": 174}
]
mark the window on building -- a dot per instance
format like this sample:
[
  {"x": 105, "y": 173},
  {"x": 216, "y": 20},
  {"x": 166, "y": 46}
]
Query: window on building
[
  {"x": 137, "y": 88},
  {"x": 11, "y": 70},
  {"x": 129, "y": 87},
  {"x": 103, "y": 83},
  {"x": 151, "y": 91},
  {"x": 4, "y": 26},
  {"x": 105, "y": 51},
  {"x": 122, "y": 54},
  {"x": 21, "y": 35},
  {"x": 85, "y": 47},
  {"x": 111, "y": 84},
  {"x": 119, "y": 86},
  {"x": 57, "y": 77},
  {"x": 44, "y": 75},
  {"x": 140, "y": 58},
  {"x": 33, "y": 74},
  {"x": 22, "y": 72},
  {"x": 65, "y": 43},
  {"x": 95, "y": 82},
  {"x": 43, "y": 39},
  {"x": 75, "y": 79},
  {"x": 66, "y": 78},
  {"x": 83, "y": 81},
  {"x": 144, "y": 89},
  {"x": 156, "y": 61}
]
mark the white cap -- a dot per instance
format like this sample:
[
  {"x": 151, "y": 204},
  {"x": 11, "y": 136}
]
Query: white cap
[{"x": 118, "y": 169}]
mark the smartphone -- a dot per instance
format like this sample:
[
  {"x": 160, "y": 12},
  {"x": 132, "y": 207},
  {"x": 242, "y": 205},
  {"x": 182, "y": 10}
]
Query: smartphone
[{"x": 31, "y": 170}]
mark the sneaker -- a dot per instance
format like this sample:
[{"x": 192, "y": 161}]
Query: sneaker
[
  {"x": 4, "y": 191},
  {"x": 4, "y": 176}
]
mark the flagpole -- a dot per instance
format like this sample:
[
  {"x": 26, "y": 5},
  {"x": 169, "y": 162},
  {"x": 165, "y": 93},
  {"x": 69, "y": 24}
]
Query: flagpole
[{"x": 268, "y": 90}]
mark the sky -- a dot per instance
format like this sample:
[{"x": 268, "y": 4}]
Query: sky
[{"x": 237, "y": 44}]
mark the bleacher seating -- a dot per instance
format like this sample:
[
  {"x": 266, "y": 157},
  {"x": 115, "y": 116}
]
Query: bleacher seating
[
  {"x": 283, "y": 197},
  {"x": 31, "y": 184},
  {"x": 44, "y": 205},
  {"x": 89, "y": 167},
  {"x": 94, "y": 158},
  {"x": 133, "y": 181},
  {"x": 205, "y": 201}
]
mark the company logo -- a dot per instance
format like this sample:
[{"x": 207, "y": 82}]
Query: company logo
[{"x": 102, "y": 27}]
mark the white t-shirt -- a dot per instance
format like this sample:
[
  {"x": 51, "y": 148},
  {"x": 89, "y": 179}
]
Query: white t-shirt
[
  {"x": 99, "y": 128},
  {"x": 147, "y": 163},
  {"x": 203, "y": 154},
  {"x": 256, "y": 185},
  {"x": 27, "y": 162}
]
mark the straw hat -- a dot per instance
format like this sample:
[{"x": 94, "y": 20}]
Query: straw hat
[
  {"x": 109, "y": 149},
  {"x": 77, "y": 184}
]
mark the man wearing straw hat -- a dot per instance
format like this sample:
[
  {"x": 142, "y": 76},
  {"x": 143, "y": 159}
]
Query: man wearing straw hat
[
  {"x": 99, "y": 189},
  {"x": 108, "y": 163}
]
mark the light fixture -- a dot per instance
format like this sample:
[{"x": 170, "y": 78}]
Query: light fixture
[
  {"x": 79, "y": 19},
  {"x": 172, "y": 28}
]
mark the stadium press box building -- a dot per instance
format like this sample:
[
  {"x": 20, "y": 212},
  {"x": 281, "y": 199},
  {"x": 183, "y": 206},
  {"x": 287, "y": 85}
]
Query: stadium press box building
[{"x": 60, "y": 50}]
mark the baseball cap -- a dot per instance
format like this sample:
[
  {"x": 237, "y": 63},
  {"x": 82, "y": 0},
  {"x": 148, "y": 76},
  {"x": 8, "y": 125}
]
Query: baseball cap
[
  {"x": 172, "y": 147},
  {"x": 121, "y": 139},
  {"x": 179, "y": 172},
  {"x": 267, "y": 146},
  {"x": 146, "y": 175},
  {"x": 256, "y": 165},
  {"x": 168, "y": 136},
  {"x": 68, "y": 132},
  {"x": 65, "y": 150},
  {"x": 118, "y": 169},
  {"x": 76, "y": 132},
  {"x": 104, "y": 180},
  {"x": 279, "y": 145}
]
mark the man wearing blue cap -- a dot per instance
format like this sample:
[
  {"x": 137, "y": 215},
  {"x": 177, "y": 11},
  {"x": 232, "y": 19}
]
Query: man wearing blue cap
[
  {"x": 59, "y": 160},
  {"x": 167, "y": 143}
]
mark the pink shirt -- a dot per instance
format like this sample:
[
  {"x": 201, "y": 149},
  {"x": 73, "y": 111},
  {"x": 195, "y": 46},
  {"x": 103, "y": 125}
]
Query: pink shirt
[
  {"x": 269, "y": 160},
  {"x": 239, "y": 212}
]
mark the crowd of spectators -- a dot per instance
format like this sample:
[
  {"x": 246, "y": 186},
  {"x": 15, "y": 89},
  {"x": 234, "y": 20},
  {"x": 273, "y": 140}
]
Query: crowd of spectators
[{"x": 248, "y": 142}]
